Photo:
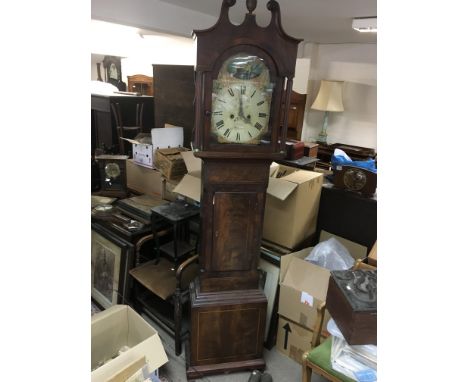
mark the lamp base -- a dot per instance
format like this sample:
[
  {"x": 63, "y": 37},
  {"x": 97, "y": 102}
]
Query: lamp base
[{"x": 322, "y": 137}]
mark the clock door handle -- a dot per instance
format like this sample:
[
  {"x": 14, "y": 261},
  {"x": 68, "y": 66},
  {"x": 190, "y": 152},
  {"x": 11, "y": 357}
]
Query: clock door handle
[{"x": 207, "y": 113}]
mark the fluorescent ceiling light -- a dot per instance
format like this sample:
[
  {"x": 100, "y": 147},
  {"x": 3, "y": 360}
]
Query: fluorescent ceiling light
[{"x": 365, "y": 24}]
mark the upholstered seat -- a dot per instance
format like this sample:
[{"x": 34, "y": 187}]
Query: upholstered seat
[{"x": 317, "y": 360}]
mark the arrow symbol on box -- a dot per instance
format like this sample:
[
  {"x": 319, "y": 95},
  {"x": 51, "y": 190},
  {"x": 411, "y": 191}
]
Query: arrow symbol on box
[{"x": 287, "y": 330}]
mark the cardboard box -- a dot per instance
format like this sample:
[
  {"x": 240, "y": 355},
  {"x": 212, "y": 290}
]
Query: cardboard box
[
  {"x": 168, "y": 190},
  {"x": 144, "y": 145},
  {"x": 170, "y": 162},
  {"x": 167, "y": 137},
  {"x": 144, "y": 180},
  {"x": 190, "y": 185},
  {"x": 292, "y": 340},
  {"x": 292, "y": 203},
  {"x": 121, "y": 326},
  {"x": 142, "y": 149},
  {"x": 304, "y": 286}
]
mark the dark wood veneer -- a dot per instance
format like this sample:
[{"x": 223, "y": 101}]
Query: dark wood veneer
[
  {"x": 228, "y": 325},
  {"x": 228, "y": 309},
  {"x": 358, "y": 327}
]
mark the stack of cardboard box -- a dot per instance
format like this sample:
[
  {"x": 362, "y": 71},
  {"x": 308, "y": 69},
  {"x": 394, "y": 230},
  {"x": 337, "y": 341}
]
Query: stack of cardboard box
[
  {"x": 157, "y": 167},
  {"x": 303, "y": 287}
]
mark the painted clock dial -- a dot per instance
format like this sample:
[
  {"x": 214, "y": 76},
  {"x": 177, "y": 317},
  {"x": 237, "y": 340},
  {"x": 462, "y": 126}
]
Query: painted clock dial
[{"x": 241, "y": 101}]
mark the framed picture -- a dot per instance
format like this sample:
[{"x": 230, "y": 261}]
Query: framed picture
[
  {"x": 113, "y": 71},
  {"x": 110, "y": 259},
  {"x": 269, "y": 279},
  {"x": 112, "y": 67}
]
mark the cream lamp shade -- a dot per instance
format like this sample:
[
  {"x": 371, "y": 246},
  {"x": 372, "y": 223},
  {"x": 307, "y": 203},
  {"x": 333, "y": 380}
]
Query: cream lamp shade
[{"x": 329, "y": 97}]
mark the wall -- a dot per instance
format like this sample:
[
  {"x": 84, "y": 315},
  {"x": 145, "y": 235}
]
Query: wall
[
  {"x": 138, "y": 51},
  {"x": 356, "y": 64},
  {"x": 151, "y": 14}
]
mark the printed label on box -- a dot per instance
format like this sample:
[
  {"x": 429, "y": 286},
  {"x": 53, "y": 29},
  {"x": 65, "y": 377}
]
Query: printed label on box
[{"x": 307, "y": 299}]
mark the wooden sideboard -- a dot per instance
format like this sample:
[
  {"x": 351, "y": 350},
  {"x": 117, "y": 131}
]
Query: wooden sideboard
[
  {"x": 356, "y": 153},
  {"x": 141, "y": 84}
]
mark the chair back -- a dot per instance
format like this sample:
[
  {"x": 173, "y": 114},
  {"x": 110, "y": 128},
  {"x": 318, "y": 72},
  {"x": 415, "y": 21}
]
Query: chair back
[
  {"x": 121, "y": 128},
  {"x": 139, "y": 114}
]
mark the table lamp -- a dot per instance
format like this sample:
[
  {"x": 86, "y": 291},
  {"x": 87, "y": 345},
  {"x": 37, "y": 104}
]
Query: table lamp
[{"x": 329, "y": 98}]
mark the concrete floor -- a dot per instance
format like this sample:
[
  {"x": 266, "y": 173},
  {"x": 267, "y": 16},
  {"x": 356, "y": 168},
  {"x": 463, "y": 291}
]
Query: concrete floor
[{"x": 280, "y": 367}]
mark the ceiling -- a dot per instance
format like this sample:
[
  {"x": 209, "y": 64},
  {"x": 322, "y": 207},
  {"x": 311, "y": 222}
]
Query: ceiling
[{"x": 320, "y": 21}]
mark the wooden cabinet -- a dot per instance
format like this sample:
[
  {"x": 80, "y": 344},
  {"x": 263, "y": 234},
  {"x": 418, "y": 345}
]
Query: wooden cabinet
[
  {"x": 141, "y": 84},
  {"x": 174, "y": 91},
  {"x": 356, "y": 153},
  {"x": 295, "y": 115}
]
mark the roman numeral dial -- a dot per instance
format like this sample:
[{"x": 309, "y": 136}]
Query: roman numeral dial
[{"x": 240, "y": 111}]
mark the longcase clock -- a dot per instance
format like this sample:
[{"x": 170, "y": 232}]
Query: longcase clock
[{"x": 242, "y": 75}]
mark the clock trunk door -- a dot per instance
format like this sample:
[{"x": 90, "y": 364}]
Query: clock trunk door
[{"x": 235, "y": 223}]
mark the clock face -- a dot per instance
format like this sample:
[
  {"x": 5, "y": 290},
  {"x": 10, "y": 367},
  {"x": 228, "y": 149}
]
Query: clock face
[
  {"x": 354, "y": 179},
  {"x": 241, "y": 101},
  {"x": 112, "y": 170}
]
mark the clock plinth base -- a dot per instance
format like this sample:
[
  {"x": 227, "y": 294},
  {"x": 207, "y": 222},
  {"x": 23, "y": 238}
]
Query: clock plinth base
[
  {"x": 227, "y": 331},
  {"x": 197, "y": 372}
]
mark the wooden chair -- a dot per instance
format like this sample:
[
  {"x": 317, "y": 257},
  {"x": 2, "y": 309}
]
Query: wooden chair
[
  {"x": 123, "y": 130},
  {"x": 184, "y": 274},
  {"x": 317, "y": 359}
]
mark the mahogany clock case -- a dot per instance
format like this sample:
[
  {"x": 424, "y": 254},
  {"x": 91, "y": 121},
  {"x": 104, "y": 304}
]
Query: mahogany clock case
[
  {"x": 228, "y": 308},
  {"x": 227, "y": 331},
  {"x": 224, "y": 40},
  {"x": 233, "y": 203}
]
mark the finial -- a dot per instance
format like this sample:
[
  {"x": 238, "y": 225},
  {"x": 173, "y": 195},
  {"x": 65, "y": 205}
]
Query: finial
[
  {"x": 273, "y": 5},
  {"x": 251, "y": 5}
]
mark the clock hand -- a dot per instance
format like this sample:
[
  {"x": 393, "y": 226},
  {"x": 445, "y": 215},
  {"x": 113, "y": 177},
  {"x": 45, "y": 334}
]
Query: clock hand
[
  {"x": 241, "y": 110},
  {"x": 241, "y": 107}
]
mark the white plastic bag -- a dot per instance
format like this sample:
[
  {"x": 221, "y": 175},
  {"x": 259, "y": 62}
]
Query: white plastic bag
[
  {"x": 358, "y": 362},
  {"x": 332, "y": 255}
]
